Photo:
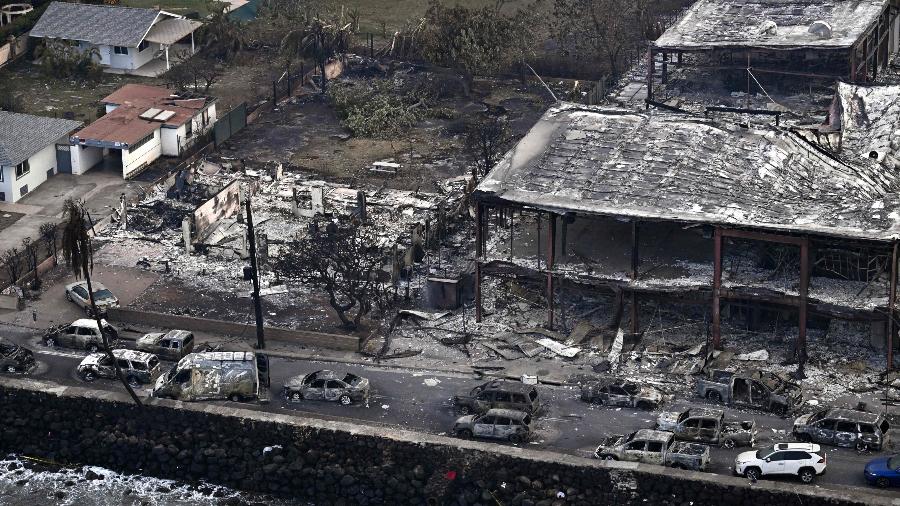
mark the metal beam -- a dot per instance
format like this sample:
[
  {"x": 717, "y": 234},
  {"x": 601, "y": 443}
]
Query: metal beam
[
  {"x": 766, "y": 237},
  {"x": 551, "y": 252},
  {"x": 717, "y": 287},
  {"x": 891, "y": 313},
  {"x": 635, "y": 264}
]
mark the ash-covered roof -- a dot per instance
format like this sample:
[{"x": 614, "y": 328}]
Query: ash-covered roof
[
  {"x": 110, "y": 25},
  {"x": 748, "y": 23},
  {"x": 673, "y": 167},
  {"x": 23, "y": 135},
  {"x": 870, "y": 122}
]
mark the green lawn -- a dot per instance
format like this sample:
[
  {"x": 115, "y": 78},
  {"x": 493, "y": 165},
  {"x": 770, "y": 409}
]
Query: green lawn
[
  {"x": 394, "y": 14},
  {"x": 174, "y": 6}
]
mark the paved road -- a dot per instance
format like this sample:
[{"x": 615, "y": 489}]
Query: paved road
[{"x": 421, "y": 401}]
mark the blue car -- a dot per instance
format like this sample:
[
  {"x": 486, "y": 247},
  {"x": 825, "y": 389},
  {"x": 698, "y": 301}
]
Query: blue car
[{"x": 884, "y": 472}]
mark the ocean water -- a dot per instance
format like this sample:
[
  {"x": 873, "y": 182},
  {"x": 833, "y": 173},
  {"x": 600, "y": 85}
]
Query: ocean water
[{"x": 26, "y": 482}]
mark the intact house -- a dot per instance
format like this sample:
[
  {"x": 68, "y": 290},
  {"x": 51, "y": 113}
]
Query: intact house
[
  {"x": 141, "y": 124},
  {"x": 124, "y": 38},
  {"x": 32, "y": 148}
]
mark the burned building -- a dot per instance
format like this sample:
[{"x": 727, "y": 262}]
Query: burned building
[
  {"x": 770, "y": 56},
  {"x": 664, "y": 206}
]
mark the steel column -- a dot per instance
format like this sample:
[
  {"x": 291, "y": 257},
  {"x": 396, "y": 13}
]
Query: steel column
[
  {"x": 479, "y": 255},
  {"x": 635, "y": 262},
  {"x": 551, "y": 251},
  {"x": 717, "y": 286},
  {"x": 804, "y": 292},
  {"x": 891, "y": 305}
]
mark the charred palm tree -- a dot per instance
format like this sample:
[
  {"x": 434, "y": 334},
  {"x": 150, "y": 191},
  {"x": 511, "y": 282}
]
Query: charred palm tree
[
  {"x": 319, "y": 41},
  {"x": 79, "y": 256}
]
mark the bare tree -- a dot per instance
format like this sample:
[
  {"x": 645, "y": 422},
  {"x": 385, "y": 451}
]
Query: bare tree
[
  {"x": 49, "y": 232},
  {"x": 487, "y": 138},
  {"x": 596, "y": 28},
  {"x": 79, "y": 255},
  {"x": 12, "y": 262},
  {"x": 30, "y": 249},
  {"x": 344, "y": 262}
]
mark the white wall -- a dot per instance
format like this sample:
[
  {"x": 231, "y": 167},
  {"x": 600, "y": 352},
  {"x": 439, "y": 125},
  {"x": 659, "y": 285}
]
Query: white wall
[
  {"x": 139, "y": 59},
  {"x": 133, "y": 161},
  {"x": 39, "y": 164},
  {"x": 84, "y": 157},
  {"x": 171, "y": 138}
]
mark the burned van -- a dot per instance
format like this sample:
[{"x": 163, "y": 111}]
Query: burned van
[{"x": 231, "y": 375}]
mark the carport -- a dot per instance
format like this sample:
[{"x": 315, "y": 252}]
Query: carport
[{"x": 168, "y": 32}]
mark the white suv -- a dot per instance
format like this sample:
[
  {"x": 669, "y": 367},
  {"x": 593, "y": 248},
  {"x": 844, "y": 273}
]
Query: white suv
[{"x": 798, "y": 459}]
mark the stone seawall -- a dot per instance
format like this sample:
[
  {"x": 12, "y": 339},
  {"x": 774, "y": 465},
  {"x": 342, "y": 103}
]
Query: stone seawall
[{"x": 327, "y": 462}]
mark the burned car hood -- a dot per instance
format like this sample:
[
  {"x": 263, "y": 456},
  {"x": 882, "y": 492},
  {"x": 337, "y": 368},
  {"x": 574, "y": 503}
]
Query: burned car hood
[
  {"x": 149, "y": 339},
  {"x": 612, "y": 441},
  {"x": 92, "y": 359},
  {"x": 648, "y": 392},
  {"x": 667, "y": 420},
  {"x": 294, "y": 382}
]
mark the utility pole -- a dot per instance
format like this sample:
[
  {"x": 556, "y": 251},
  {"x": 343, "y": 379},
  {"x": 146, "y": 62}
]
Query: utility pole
[{"x": 254, "y": 268}]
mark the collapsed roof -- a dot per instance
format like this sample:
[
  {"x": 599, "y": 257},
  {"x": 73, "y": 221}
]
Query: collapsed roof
[
  {"x": 673, "y": 167},
  {"x": 776, "y": 24},
  {"x": 869, "y": 122}
]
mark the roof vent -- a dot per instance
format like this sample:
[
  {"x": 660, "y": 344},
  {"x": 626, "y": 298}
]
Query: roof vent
[
  {"x": 768, "y": 27},
  {"x": 821, "y": 29}
]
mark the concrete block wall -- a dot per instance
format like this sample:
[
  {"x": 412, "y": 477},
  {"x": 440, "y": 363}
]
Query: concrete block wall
[{"x": 341, "y": 463}]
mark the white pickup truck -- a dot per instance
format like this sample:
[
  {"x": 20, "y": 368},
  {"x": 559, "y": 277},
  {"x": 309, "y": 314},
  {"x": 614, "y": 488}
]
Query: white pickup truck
[{"x": 654, "y": 447}]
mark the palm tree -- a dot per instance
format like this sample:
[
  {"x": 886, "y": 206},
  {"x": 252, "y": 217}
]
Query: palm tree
[
  {"x": 222, "y": 36},
  {"x": 319, "y": 41},
  {"x": 79, "y": 255}
]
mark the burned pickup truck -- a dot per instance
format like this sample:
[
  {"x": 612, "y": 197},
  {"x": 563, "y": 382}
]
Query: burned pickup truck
[
  {"x": 708, "y": 426},
  {"x": 756, "y": 389},
  {"x": 654, "y": 447}
]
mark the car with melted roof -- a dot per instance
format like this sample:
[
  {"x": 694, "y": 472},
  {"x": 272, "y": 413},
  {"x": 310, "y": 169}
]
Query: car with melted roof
[
  {"x": 77, "y": 292},
  {"x": 621, "y": 392},
  {"x": 138, "y": 367},
  {"x": 327, "y": 385},
  {"x": 15, "y": 358},
  {"x": 499, "y": 394},
  {"x": 83, "y": 334},
  {"x": 505, "y": 424},
  {"x": 654, "y": 447},
  {"x": 171, "y": 345},
  {"x": 843, "y": 427},
  {"x": 755, "y": 389},
  {"x": 706, "y": 425}
]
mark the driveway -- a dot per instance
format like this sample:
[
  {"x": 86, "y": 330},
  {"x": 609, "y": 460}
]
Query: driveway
[{"x": 99, "y": 188}]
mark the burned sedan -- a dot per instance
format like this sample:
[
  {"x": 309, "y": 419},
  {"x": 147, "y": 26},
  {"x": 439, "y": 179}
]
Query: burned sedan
[
  {"x": 506, "y": 424},
  {"x": 137, "y": 367},
  {"x": 499, "y": 394},
  {"x": 709, "y": 426},
  {"x": 755, "y": 389},
  {"x": 15, "y": 358},
  {"x": 327, "y": 385},
  {"x": 620, "y": 392},
  {"x": 77, "y": 292},
  {"x": 171, "y": 345}
]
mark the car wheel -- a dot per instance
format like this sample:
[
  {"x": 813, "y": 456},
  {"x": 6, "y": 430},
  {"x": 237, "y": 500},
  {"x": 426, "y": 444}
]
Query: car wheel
[
  {"x": 644, "y": 405},
  {"x": 235, "y": 398},
  {"x": 752, "y": 473},
  {"x": 728, "y": 443},
  {"x": 133, "y": 382},
  {"x": 714, "y": 396},
  {"x": 87, "y": 311},
  {"x": 345, "y": 400},
  {"x": 464, "y": 434},
  {"x": 807, "y": 475},
  {"x": 676, "y": 465},
  {"x": 779, "y": 410},
  {"x": 296, "y": 396},
  {"x": 804, "y": 438},
  {"x": 515, "y": 438},
  {"x": 68, "y": 296},
  {"x": 50, "y": 342},
  {"x": 465, "y": 410},
  {"x": 93, "y": 348},
  {"x": 88, "y": 376},
  {"x": 10, "y": 368},
  {"x": 883, "y": 482},
  {"x": 608, "y": 457},
  {"x": 861, "y": 446}
]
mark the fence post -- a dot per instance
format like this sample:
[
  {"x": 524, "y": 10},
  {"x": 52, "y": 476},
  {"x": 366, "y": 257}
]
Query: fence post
[{"x": 274, "y": 93}]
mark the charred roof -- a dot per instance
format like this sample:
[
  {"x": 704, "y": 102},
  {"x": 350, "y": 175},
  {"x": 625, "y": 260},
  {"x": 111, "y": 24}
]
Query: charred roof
[
  {"x": 664, "y": 166},
  {"x": 775, "y": 24}
]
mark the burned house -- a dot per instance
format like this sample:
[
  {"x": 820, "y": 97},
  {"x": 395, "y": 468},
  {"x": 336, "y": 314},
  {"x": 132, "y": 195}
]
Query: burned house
[
  {"x": 770, "y": 56},
  {"x": 658, "y": 206}
]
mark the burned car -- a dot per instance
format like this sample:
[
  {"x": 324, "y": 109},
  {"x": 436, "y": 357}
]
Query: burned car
[
  {"x": 709, "y": 426},
  {"x": 171, "y": 345},
  {"x": 506, "y": 424},
  {"x": 78, "y": 293},
  {"x": 843, "y": 427},
  {"x": 620, "y": 392},
  {"x": 15, "y": 358},
  {"x": 756, "y": 389},
  {"x": 327, "y": 385},
  {"x": 654, "y": 447},
  {"x": 137, "y": 367},
  {"x": 499, "y": 394},
  {"x": 82, "y": 334}
]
